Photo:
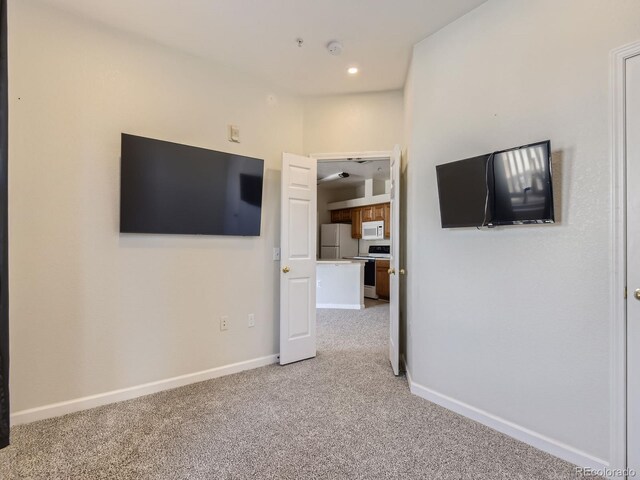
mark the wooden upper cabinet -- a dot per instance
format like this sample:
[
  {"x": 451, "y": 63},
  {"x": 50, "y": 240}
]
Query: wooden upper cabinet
[
  {"x": 387, "y": 220},
  {"x": 373, "y": 213},
  {"x": 341, "y": 216},
  {"x": 370, "y": 213},
  {"x": 356, "y": 223},
  {"x": 378, "y": 212},
  {"x": 367, "y": 214}
]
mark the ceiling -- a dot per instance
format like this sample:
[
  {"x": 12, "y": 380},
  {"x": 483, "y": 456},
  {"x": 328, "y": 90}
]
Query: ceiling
[
  {"x": 259, "y": 36},
  {"x": 358, "y": 172}
]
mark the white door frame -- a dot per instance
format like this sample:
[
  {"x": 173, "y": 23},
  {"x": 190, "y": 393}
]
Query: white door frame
[
  {"x": 618, "y": 447},
  {"x": 342, "y": 156},
  {"x": 372, "y": 155}
]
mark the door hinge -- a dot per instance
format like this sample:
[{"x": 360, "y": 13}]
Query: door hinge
[{"x": 625, "y": 293}]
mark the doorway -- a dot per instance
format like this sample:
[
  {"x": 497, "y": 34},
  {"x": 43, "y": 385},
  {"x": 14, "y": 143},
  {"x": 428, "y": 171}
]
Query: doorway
[
  {"x": 354, "y": 249},
  {"x": 355, "y": 220}
]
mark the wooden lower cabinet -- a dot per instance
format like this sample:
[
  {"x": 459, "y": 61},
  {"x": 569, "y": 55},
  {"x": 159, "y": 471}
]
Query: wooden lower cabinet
[{"x": 382, "y": 279}]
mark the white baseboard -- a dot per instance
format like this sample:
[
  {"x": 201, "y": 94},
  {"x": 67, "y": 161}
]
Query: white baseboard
[
  {"x": 535, "y": 439},
  {"x": 344, "y": 306},
  {"x": 92, "y": 401}
]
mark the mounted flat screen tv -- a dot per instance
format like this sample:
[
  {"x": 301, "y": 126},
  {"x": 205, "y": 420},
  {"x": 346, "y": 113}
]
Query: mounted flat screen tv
[
  {"x": 508, "y": 187},
  {"x": 462, "y": 188},
  {"x": 178, "y": 189}
]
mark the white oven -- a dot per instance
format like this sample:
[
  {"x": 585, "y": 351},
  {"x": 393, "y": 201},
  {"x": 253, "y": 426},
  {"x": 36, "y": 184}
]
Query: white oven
[{"x": 373, "y": 230}]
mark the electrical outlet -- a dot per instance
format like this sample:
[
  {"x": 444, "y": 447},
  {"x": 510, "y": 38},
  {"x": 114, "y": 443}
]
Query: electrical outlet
[
  {"x": 224, "y": 323},
  {"x": 276, "y": 254},
  {"x": 252, "y": 320}
]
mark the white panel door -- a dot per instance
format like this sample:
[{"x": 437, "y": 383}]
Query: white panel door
[
  {"x": 395, "y": 269},
  {"x": 633, "y": 260},
  {"x": 298, "y": 259}
]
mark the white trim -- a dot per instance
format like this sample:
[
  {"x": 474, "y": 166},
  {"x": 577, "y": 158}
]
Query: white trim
[
  {"x": 535, "y": 439},
  {"x": 360, "y": 202},
  {"x": 92, "y": 401},
  {"x": 344, "y": 306},
  {"x": 618, "y": 367},
  {"x": 341, "y": 156}
]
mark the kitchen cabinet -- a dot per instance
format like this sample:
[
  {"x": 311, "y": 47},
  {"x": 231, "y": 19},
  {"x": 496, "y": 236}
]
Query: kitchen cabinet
[
  {"x": 387, "y": 220},
  {"x": 341, "y": 216},
  {"x": 382, "y": 279},
  {"x": 367, "y": 213},
  {"x": 373, "y": 213},
  {"x": 378, "y": 212},
  {"x": 356, "y": 223}
]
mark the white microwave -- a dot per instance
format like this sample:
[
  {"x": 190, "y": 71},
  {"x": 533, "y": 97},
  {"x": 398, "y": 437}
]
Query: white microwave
[{"x": 373, "y": 230}]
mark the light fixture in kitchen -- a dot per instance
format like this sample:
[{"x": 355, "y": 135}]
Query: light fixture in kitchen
[{"x": 333, "y": 176}]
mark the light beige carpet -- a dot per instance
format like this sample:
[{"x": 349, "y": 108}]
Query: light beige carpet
[{"x": 340, "y": 415}]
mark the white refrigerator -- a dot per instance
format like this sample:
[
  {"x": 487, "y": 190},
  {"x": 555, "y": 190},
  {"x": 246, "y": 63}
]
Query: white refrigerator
[{"x": 336, "y": 241}]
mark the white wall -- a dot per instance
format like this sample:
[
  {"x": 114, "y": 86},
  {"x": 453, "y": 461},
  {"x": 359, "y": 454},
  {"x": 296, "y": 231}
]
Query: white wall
[
  {"x": 515, "y": 321},
  {"x": 353, "y": 123},
  {"x": 92, "y": 310}
]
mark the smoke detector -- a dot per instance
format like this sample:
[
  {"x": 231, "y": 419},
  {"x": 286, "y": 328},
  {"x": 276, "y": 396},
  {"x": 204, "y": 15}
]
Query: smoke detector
[{"x": 334, "y": 47}]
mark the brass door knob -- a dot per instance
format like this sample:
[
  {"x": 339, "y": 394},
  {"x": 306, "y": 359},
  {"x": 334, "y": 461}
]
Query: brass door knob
[
  {"x": 637, "y": 294},
  {"x": 391, "y": 271},
  {"x": 286, "y": 269},
  {"x": 402, "y": 272}
]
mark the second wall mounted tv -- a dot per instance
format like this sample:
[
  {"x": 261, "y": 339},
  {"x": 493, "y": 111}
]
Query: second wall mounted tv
[
  {"x": 508, "y": 187},
  {"x": 171, "y": 188}
]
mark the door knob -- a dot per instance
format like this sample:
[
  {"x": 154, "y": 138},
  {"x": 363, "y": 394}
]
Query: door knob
[
  {"x": 286, "y": 269},
  {"x": 402, "y": 272},
  {"x": 637, "y": 294},
  {"x": 391, "y": 271}
]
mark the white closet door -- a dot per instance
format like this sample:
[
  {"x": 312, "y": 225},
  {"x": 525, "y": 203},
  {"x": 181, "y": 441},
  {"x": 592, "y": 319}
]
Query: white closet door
[{"x": 633, "y": 261}]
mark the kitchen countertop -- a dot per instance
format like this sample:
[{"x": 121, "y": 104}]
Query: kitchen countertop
[{"x": 340, "y": 262}]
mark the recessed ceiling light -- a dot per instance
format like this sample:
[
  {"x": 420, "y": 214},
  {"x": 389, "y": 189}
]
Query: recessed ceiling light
[{"x": 352, "y": 70}]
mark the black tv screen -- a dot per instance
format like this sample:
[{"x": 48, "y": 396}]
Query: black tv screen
[
  {"x": 522, "y": 190},
  {"x": 462, "y": 189},
  {"x": 171, "y": 188},
  {"x": 507, "y": 187}
]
